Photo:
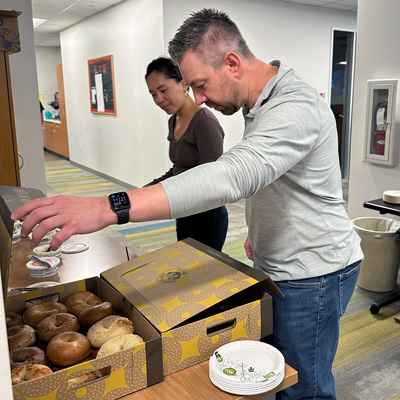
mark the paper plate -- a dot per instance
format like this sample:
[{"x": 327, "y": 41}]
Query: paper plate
[
  {"x": 243, "y": 390},
  {"x": 247, "y": 362},
  {"x": 247, "y": 367},
  {"x": 76, "y": 247},
  {"x": 391, "y": 196}
]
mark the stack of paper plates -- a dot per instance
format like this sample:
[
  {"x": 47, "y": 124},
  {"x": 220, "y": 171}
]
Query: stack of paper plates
[
  {"x": 391, "y": 196},
  {"x": 247, "y": 367}
]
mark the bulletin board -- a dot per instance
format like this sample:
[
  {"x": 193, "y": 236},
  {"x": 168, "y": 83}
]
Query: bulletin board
[{"x": 101, "y": 85}]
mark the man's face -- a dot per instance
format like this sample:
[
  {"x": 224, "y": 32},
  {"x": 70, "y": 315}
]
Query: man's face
[{"x": 216, "y": 88}]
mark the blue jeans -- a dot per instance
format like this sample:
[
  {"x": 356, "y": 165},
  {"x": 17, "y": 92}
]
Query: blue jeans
[{"x": 306, "y": 329}]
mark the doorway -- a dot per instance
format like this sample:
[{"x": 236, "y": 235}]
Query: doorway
[{"x": 341, "y": 98}]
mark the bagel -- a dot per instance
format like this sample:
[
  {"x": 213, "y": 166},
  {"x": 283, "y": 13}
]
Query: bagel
[
  {"x": 27, "y": 355},
  {"x": 119, "y": 343},
  {"x": 13, "y": 319},
  {"x": 91, "y": 315},
  {"x": 34, "y": 314},
  {"x": 79, "y": 301},
  {"x": 107, "y": 328},
  {"x": 20, "y": 336},
  {"x": 29, "y": 371},
  {"x": 55, "y": 324},
  {"x": 82, "y": 379},
  {"x": 68, "y": 348}
]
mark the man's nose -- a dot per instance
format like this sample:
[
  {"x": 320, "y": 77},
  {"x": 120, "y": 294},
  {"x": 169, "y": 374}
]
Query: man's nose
[{"x": 199, "y": 98}]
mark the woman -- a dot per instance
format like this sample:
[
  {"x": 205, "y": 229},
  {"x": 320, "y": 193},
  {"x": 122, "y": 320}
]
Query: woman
[{"x": 195, "y": 137}]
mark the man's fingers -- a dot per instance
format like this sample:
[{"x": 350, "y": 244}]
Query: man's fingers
[
  {"x": 45, "y": 226},
  {"x": 63, "y": 235},
  {"x": 42, "y": 216},
  {"x": 248, "y": 249},
  {"x": 27, "y": 208}
]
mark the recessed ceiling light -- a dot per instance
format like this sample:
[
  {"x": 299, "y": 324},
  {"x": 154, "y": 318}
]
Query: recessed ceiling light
[{"x": 38, "y": 21}]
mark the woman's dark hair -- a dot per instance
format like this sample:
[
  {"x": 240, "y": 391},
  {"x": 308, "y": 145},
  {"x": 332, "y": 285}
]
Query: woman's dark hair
[{"x": 165, "y": 66}]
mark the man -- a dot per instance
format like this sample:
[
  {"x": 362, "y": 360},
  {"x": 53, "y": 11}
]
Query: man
[{"x": 287, "y": 169}]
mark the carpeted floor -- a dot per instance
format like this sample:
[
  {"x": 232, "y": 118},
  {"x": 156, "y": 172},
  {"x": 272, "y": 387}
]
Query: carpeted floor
[{"x": 367, "y": 365}]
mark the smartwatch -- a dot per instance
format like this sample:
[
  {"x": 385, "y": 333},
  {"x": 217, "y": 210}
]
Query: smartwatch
[{"x": 120, "y": 204}]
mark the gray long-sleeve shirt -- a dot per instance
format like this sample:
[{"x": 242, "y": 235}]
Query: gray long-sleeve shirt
[{"x": 287, "y": 168}]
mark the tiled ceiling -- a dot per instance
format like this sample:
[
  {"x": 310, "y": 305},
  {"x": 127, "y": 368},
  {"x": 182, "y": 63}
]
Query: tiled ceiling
[{"x": 60, "y": 14}]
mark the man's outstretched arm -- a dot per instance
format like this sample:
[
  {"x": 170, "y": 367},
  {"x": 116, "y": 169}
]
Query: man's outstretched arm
[{"x": 77, "y": 215}]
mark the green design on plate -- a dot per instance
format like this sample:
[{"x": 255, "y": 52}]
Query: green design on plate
[{"x": 229, "y": 371}]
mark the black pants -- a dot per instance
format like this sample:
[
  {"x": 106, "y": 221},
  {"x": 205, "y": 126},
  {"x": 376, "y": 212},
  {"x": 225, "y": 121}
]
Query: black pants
[{"x": 208, "y": 227}]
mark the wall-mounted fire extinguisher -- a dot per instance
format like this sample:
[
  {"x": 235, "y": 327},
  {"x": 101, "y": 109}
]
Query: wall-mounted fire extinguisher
[{"x": 381, "y": 127}]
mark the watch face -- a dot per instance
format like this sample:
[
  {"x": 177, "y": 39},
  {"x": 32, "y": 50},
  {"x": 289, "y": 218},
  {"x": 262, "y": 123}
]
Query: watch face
[{"x": 119, "y": 201}]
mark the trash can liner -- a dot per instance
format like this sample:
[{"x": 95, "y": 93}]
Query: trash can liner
[
  {"x": 380, "y": 242},
  {"x": 381, "y": 226}
]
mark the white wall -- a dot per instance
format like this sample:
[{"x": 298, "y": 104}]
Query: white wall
[
  {"x": 376, "y": 57},
  {"x": 26, "y": 99},
  {"x": 46, "y": 60},
  {"x": 296, "y": 34},
  {"x": 132, "y": 146}
]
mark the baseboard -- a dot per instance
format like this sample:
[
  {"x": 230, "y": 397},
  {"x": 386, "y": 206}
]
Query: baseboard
[
  {"x": 105, "y": 176},
  {"x": 56, "y": 154}
]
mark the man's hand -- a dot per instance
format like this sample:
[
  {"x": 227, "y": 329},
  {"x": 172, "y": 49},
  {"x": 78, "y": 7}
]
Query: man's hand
[
  {"x": 73, "y": 215},
  {"x": 249, "y": 250}
]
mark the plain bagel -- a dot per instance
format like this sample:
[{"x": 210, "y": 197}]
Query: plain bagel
[
  {"x": 34, "y": 314},
  {"x": 68, "y": 348},
  {"x": 107, "y": 328},
  {"x": 55, "y": 324},
  {"x": 80, "y": 301},
  {"x": 91, "y": 315}
]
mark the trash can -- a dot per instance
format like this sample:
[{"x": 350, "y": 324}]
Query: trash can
[{"x": 380, "y": 242}]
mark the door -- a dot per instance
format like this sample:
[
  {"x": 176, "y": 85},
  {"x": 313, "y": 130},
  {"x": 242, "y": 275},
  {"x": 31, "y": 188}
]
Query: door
[
  {"x": 9, "y": 165},
  {"x": 342, "y": 77}
]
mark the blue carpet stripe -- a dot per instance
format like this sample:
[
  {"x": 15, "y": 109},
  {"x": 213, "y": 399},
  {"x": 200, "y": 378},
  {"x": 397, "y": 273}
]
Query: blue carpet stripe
[{"x": 132, "y": 229}]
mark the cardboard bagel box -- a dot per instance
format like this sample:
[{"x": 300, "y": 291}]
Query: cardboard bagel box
[
  {"x": 198, "y": 299},
  {"x": 120, "y": 374}
]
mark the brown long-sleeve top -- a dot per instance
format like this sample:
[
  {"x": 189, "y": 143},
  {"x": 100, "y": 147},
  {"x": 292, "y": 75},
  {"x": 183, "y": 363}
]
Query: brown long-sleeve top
[{"x": 201, "y": 143}]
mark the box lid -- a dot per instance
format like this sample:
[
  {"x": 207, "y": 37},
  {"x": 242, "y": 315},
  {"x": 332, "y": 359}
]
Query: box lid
[
  {"x": 178, "y": 281},
  {"x": 11, "y": 197}
]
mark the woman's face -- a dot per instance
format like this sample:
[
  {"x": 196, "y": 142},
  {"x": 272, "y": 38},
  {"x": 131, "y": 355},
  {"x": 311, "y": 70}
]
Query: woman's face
[{"x": 167, "y": 93}]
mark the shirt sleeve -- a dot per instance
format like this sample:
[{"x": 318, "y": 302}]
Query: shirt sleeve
[{"x": 279, "y": 137}]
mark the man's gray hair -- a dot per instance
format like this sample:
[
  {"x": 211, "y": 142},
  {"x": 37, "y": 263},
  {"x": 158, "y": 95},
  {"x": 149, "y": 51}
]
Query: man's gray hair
[{"x": 210, "y": 34}]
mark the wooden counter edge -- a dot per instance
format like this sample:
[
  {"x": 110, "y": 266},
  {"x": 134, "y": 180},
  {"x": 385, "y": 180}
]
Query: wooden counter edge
[
  {"x": 192, "y": 380},
  {"x": 290, "y": 379}
]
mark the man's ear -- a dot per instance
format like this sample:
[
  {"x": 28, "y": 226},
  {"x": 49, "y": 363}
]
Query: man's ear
[{"x": 233, "y": 62}]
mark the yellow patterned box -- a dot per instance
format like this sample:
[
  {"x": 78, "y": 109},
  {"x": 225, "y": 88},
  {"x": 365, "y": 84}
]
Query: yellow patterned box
[
  {"x": 122, "y": 373},
  {"x": 197, "y": 297}
]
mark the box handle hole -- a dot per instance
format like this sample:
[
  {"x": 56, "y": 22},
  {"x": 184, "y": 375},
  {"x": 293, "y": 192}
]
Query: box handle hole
[
  {"x": 89, "y": 377},
  {"x": 222, "y": 327}
]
